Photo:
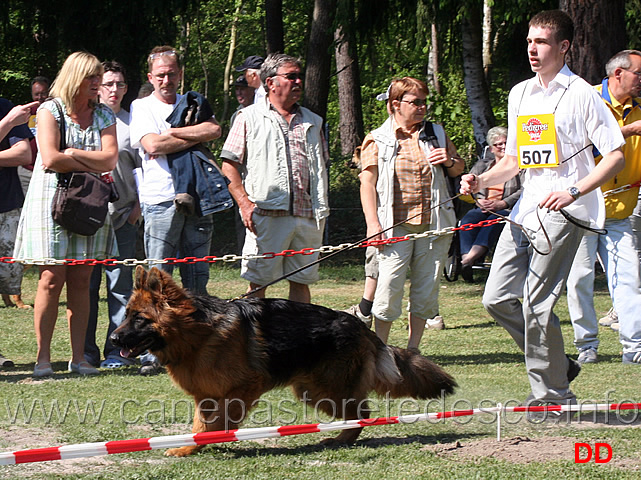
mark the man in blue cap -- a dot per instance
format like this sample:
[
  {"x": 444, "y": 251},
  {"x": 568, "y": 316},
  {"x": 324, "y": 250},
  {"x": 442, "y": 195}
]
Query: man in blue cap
[{"x": 251, "y": 67}]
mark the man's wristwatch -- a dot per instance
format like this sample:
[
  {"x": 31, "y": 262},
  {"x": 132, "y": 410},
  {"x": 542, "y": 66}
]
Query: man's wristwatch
[{"x": 574, "y": 192}]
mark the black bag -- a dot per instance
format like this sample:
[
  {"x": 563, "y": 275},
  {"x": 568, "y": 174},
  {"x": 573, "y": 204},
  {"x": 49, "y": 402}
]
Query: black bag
[
  {"x": 453, "y": 183},
  {"x": 81, "y": 201}
]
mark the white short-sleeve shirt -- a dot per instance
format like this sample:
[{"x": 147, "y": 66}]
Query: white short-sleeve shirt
[
  {"x": 582, "y": 121},
  {"x": 148, "y": 115}
]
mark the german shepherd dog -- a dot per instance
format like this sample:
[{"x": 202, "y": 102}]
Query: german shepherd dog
[{"x": 218, "y": 350}]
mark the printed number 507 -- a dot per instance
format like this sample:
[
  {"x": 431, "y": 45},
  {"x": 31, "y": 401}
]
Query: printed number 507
[{"x": 536, "y": 157}]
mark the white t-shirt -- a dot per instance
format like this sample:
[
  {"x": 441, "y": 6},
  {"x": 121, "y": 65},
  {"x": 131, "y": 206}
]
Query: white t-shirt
[
  {"x": 582, "y": 119},
  {"x": 148, "y": 115}
]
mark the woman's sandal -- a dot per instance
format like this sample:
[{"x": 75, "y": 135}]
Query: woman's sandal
[
  {"x": 42, "y": 370},
  {"x": 83, "y": 368}
]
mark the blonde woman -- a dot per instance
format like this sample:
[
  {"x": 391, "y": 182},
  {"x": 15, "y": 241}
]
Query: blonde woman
[{"x": 91, "y": 147}]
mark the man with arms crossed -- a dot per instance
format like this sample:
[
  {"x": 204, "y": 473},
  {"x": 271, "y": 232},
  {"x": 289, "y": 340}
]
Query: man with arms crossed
[
  {"x": 554, "y": 119},
  {"x": 168, "y": 231}
]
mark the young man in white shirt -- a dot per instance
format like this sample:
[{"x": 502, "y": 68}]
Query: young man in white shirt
[{"x": 554, "y": 120}]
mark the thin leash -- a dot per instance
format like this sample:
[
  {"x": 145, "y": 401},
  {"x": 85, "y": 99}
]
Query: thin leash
[
  {"x": 565, "y": 214},
  {"x": 521, "y": 227},
  {"x": 344, "y": 249}
]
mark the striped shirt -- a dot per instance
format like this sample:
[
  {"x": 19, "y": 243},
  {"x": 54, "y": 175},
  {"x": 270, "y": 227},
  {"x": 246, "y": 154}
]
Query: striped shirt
[
  {"x": 412, "y": 176},
  {"x": 297, "y": 163}
]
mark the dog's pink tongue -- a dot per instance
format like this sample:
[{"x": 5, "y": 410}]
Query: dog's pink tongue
[{"x": 125, "y": 352}]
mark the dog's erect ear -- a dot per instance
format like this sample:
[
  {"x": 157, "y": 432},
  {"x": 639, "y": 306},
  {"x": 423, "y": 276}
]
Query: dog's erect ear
[
  {"x": 155, "y": 280},
  {"x": 141, "y": 277}
]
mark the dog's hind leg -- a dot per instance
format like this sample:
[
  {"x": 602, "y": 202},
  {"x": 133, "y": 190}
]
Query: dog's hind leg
[{"x": 337, "y": 402}]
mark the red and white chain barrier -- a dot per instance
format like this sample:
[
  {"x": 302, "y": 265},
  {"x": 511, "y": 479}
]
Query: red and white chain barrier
[
  {"x": 132, "y": 262},
  {"x": 620, "y": 189},
  {"x": 206, "y": 438}
]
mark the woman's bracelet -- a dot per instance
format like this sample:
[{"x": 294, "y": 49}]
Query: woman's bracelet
[{"x": 453, "y": 163}]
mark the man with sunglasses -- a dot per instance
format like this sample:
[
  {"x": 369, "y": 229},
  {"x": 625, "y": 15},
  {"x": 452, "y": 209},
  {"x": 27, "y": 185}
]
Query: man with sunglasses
[
  {"x": 282, "y": 192},
  {"x": 620, "y": 91},
  {"x": 168, "y": 231}
]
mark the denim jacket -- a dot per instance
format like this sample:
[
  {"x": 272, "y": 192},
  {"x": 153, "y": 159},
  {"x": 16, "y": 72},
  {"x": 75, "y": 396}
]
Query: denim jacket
[{"x": 194, "y": 170}]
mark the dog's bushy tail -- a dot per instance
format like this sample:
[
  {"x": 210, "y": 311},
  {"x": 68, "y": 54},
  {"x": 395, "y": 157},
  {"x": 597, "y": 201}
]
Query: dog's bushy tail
[{"x": 404, "y": 373}]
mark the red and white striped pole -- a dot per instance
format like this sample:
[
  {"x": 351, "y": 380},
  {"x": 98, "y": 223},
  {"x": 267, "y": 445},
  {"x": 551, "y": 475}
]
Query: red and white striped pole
[{"x": 206, "y": 438}]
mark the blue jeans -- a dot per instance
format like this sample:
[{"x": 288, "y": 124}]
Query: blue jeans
[
  {"x": 619, "y": 256},
  {"x": 168, "y": 232},
  {"x": 119, "y": 286},
  {"x": 483, "y": 236}
]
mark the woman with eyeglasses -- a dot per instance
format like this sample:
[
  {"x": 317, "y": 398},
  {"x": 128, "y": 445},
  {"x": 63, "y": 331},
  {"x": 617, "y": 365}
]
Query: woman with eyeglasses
[
  {"x": 91, "y": 146},
  {"x": 475, "y": 243},
  {"x": 405, "y": 165}
]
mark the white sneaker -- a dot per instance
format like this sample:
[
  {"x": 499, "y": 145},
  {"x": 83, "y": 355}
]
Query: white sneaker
[
  {"x": 610, "y": 318},
  {"x": 588, "y": 355},
  {"x": 615, "y": 326},
  {"x": 355, "y": 310},
  {"x": 435, "y": 323}
]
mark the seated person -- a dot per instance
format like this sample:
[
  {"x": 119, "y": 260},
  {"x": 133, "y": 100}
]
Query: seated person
[{"x": 498, "y": 198}]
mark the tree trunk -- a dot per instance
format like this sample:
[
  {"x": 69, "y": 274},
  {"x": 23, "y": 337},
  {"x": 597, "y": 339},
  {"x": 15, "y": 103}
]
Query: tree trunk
[
  {"x": 478, "y": 96},
  {"x": 227, "y": 80},
  {"x": 599, "y": 33},
  {"x": 432, "y": 62},
  {"x": 274, "y": 32},
  {"x": 318, "y": 62},
  {"x": 349, "y": 86},
  {"x": 183, "y": 49},
  {"x": 201, "y": 56},
  {"x": 487, "y": 39}
]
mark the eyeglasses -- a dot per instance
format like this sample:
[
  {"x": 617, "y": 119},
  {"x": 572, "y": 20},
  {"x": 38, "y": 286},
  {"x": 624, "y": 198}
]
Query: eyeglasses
[
  {"x": 638, "y": 74},
  {"x": 499, "y": 144},
  {"x": 292, "y": 77},
  {"x": 168, "y": 53},
  {"x": 417, "y": 102},
  {"x": 119, "y": 85}
]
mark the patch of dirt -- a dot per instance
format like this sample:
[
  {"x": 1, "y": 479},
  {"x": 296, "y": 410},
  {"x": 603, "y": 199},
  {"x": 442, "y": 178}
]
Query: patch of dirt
[
  {"x": 18, "y": 438},
  {"x": 521, "y": 450}
]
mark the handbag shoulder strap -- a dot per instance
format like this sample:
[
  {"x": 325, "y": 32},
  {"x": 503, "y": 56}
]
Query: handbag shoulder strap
[
  {"x": 63, "y": 178},
  {"x": 61, "y": 124}
]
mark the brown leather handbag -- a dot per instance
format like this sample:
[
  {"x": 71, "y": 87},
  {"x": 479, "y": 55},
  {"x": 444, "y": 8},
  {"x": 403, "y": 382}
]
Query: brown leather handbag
[{"x": 81, "y": 202}]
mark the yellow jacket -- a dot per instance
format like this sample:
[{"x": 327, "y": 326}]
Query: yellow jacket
[{"x": 622, "y": 204}]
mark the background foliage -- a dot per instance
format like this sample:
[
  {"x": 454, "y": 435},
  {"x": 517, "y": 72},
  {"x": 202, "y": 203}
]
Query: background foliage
[{"x": 393, "y": 39}]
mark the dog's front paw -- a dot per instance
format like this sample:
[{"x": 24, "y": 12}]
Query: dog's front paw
[{"x": 182, "y": 451}]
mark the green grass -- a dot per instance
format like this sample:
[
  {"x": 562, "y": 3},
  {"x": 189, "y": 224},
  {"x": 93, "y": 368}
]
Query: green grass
[{"x": 478, "y": 353}]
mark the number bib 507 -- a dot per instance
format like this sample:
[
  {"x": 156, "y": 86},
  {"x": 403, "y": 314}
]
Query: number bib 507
[{"x": 536, "y": 140}]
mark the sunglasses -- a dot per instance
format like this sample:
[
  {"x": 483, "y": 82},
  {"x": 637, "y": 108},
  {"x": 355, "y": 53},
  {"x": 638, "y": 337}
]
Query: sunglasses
[
  {"x": 292, "y": 77},
  {"x": 417, "y": 102},
  {"x": 167, "y": 53}
]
